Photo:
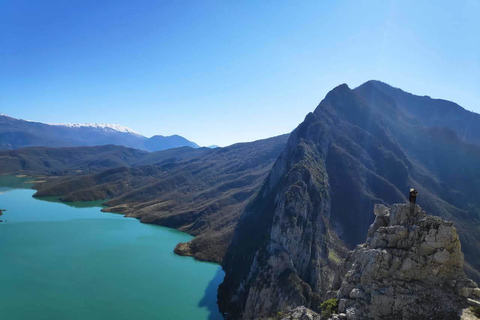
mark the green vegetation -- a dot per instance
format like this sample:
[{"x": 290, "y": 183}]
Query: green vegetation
[
  {"x": 475, "y": 311},
  {"x": 333, "y": 256},
  {"x": 329, "y": 307}
]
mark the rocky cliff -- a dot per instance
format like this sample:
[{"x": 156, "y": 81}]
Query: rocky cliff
[
  {"x": 359, "y": 147},
  {"x": 283, "y": 239},
  {"x": 285, "y": 251},
  {"x": 411, "y": 267}
]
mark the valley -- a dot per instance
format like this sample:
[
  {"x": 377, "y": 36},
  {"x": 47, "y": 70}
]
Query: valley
[
  {"x": 240, "y": 160},
  {"x": 281, "y": 214}
]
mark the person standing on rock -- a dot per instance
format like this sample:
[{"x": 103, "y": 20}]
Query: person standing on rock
[{"x": 413, "y": 196}]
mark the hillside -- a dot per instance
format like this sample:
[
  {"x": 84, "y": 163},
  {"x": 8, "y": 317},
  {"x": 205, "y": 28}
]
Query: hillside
[
  {"x": 428, "y": 112},
  {"x": 199, "y": 191},
  {"x": 67, "y": 161},
  {"x": 358, "y": 148}
]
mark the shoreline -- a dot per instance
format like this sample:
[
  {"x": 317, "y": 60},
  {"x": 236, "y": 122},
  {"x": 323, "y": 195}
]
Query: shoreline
[{"x": 181, "y": 249}]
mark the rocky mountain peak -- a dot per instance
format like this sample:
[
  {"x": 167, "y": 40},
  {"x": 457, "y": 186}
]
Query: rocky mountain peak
[{"x": 411, "y": 267}]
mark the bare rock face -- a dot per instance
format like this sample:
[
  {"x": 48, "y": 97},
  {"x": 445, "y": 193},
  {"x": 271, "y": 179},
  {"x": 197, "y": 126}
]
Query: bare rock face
[
  {"x": 411, "y": 267},
  {"x": 281, "y": 241},
  {"x": 300, "y": 313}
]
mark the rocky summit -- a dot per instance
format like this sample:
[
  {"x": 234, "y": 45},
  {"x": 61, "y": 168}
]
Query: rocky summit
[{"x": 411, "y": 267}]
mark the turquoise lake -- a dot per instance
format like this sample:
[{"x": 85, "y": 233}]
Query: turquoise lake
[{"x": 60, "y": 261}]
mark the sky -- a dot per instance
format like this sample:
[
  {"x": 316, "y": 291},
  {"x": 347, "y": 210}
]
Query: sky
[{"x": 221, "y": 72}]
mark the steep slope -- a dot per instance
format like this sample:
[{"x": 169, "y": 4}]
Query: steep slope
[
  {"x": 284, "y": 238},
  {"x": 355, "y": 150},
  {"x": 15, "y": 133},
  {"x": 425, "y": 111},
  {"x": 199, "y": 191}
]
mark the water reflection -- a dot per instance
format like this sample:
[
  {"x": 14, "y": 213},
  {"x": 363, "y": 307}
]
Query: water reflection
[
  {"x": 209, "y": 299},
  {"x": 9, "y": 183},
  {"x": 79, "y": 205}
]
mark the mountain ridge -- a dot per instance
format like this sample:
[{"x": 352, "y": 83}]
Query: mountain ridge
[
  {"x": 358, "y": 148},
  {"x": 433, "y": 111},
  {"x": 18, "y": 133}
]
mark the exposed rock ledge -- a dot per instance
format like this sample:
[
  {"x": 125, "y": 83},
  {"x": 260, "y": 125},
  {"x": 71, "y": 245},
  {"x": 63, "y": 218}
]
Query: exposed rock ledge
[
  {"x": 299, "y": 313},
  {"x": 411, "y": 267}
]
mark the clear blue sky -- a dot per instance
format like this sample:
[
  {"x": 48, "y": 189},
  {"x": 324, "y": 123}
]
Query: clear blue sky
[{"x": 219, "y": 72}]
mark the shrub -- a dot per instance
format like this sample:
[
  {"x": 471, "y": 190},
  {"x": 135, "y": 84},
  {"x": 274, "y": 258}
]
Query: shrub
[{"x": 329, "y": 307}]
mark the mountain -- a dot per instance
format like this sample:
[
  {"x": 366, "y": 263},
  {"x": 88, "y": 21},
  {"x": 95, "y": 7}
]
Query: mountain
[
  {"x": 358, "y": 148},
  {"x": 159, "y": 143},
  {"x": 428, "y": 112},
  {"x": 97, "y": 126},
  {"x": 16, "y": 133}
]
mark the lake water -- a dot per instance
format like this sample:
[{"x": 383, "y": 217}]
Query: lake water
[{"x": 60, "y": 261}]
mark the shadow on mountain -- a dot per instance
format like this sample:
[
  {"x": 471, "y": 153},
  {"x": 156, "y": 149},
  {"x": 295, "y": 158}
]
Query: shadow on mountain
[{"x": 209, "y": 299}]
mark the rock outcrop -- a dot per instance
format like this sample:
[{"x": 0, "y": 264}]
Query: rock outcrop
[
  {"x": 299, "y": 313},
  {"x": 411, "y": 267}
]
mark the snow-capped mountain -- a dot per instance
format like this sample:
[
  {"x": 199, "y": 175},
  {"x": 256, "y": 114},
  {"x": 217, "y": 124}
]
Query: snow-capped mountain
[
  {"x": 99, "y": 126},
  {"x": 17, "y": 133}
]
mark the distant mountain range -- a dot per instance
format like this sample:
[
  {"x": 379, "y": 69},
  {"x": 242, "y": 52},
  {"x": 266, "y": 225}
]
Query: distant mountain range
[{"x": 16, "y": 133}]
